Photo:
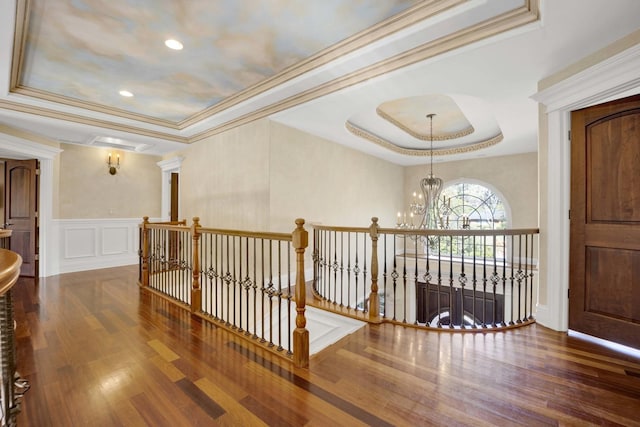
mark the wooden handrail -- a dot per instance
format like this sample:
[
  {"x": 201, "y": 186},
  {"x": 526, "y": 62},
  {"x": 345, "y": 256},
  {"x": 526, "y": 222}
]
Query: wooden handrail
[
  {"x": 431, "y": 232},
  {"x": 10, "y": 263},
  {"x": 192, "y": 258},
  {"x": 244, "y": 233},
  {"x": 457, "y": 232}
]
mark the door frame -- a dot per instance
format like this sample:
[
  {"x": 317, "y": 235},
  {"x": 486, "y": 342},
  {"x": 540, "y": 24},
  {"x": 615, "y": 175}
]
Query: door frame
[
  {"x": 25, "y": 149},
  {"x": 614, "y": 78},
  {"x": 168, "y": 167}
]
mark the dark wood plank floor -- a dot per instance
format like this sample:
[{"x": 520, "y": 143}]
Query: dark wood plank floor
[{"x": 100, "y": 352}]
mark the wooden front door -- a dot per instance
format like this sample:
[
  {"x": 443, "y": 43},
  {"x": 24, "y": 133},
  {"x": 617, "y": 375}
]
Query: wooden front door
[
  {"x": 604, "y": 277},
  {"x": 21, "y": 211}
]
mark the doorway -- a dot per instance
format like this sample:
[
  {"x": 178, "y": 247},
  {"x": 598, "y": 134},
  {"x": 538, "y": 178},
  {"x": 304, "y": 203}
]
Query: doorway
[
  {"x": 21, "y": 195},
  {"x": 604, "y": 276}
]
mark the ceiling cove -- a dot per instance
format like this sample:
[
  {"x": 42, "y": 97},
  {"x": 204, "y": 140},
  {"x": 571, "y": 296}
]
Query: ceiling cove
[{"x": 461, "y": 124}]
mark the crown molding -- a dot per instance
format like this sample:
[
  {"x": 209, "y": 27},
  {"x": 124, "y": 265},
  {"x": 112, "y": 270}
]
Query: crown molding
[
  {"x": 28, "y": 148},
  {"x": 610, "y": 77},
  {"x": 75, "y": 118},
  {"x": 357, "y": 131}
]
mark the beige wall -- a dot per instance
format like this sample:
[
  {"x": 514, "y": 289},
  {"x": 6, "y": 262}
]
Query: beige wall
[
  {"x": 515, "y": 177},
  {"x": 328, "y": 183},
  {"x": 86, "y": 190},
  {"x": 224, "y": 179},
  {"x": 264, "y": 175}
]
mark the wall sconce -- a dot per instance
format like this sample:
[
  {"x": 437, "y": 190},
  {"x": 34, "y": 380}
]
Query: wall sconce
[{"x": 113, "y": 167}]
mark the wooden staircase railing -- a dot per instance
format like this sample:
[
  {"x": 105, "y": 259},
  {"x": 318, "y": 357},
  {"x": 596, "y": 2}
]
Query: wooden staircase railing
[
  {"x": 454, "y": 280},
  {"x": 249, "y": 283}
]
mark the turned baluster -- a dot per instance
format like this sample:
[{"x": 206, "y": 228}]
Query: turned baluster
[
  {"x": 196, "y": 290},
  {"x": 374, "y": 298},
  {"x": 300, "y": 240}
]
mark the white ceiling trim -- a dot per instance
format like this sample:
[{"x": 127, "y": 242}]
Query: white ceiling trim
[
  {"x": 26, "y": 148},
  {"x": 616, "y": 75}
]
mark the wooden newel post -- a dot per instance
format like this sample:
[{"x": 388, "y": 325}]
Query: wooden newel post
[
  {"x": 196, "y": 291},
  {"x": 374, "y": 298},
  {"x": 300, "y": 240},
  {"x": 144, "y": 253}
]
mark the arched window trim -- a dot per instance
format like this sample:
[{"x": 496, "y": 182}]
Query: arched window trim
[{"x": 492, "y": 188}]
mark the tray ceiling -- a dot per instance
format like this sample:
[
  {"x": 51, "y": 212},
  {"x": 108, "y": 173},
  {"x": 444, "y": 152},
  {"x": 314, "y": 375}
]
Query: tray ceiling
[{"x": 319, "y": 66}]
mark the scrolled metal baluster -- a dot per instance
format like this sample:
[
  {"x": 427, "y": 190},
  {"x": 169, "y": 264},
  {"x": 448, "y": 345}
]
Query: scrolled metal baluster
[
  {"x": 384, "y": 278},
  {"x": 235, "y": 282},
  {"x": 531, "y": 282},
  {"x": 484, "y": 281},
  {"x": 474, "y": 282},
  {"x": 327, "y": 264},
  {"x": 255, "y": 289},
  {"x": 270, "y": 294},
  {"x": 364, "y": 275},
  {"x": 511, "y": 280},
  {"x": 451, "y": 288},
  {"x": 463, "y": 280},
  {"x": 504, "y": 274},
  {"x": 415, "y": 277},
  {"x": 495, "y": 279},
  {"x": 341, "y": 269},
  {"x": 519, "y": 276},
  {"x": 289, "y": 329},
  {"x": 279, "y": 295},
  {"x": 427, "y": 280},
  {"x": 394, "y": 277},
  {"x": 404, "y": 281},
  {"x": 439, "y": 323},
  {"x": 356, "y": 273},
  {"x": 263, "y": 289}
]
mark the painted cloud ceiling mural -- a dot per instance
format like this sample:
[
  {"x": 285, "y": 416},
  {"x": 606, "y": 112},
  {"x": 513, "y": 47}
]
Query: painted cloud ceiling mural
[{"x": 89, "y": 50}]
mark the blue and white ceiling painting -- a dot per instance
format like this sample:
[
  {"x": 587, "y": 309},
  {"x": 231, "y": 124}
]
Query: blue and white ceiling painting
[{"x": 89, "y": 50}]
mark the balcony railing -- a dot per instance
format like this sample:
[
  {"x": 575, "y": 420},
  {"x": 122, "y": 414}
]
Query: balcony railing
[
  {"x": 251, "y": 283},
  {"x": 454, "y": 280},
  {"x": 12, "y": 386}
]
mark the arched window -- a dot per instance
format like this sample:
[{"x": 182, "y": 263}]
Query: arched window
[{"x": 473, "y": 205}]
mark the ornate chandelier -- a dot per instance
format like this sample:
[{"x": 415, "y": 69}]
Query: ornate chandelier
[{"x": 426, "y": 206}]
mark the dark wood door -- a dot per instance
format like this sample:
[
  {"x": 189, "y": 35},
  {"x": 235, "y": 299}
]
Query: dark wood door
[
  {"x": 173, "y": 213},
  {"x": 604, "y": 277},
  {"x": 174, "y": 237},
  {"x": 21, "y": 211}
]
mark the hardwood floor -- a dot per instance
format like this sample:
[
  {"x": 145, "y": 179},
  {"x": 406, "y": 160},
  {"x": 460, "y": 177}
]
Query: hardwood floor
[{"x": 100, "y": 352}]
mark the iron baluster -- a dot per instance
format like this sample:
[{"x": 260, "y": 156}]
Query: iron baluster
[
  {"x": 451, "y": 289},
  {"x": 364, "y": 274},
  {"x": 511, "y": 280},
  {"x": 439, "y": 323},
  {"x": 462, "y": 279}
]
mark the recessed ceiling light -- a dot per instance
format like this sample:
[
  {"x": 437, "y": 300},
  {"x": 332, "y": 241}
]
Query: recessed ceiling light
[
  {"x": 173, "y": 44},
  {"x": 126, "y": 93}
]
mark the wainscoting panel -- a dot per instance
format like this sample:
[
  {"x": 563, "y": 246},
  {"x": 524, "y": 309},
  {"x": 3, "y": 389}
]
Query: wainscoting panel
[
  {"x": 89, "y": 244},
  {"x": 115, "y": 240},
  {"x": 80, "y": 242}
]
